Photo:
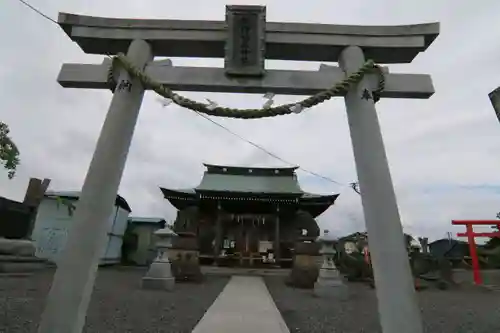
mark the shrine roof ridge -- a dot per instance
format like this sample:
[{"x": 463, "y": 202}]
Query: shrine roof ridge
[
  {"x": 313, "y": 203},
  {"x": 146, "y": 220},
  {"x": 192, "y": 192},
  {"x": 284, "y": 41},
  {"x": 229, "y": 168}
]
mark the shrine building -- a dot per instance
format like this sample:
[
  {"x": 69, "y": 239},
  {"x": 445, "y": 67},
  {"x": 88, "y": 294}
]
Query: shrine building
[{"x": 247, "y": 215}]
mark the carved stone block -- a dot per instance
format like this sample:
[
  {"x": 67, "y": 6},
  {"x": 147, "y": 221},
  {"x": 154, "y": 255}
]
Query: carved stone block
[
  {"x": 17, "y": 247},
  {"x": 184, "y": 257},
  {"x": 18, "y": 256},
  {"x": 159, "y": 275},
  {"x": 305, "y": 268},
  {"x": 245, "y": 45}
]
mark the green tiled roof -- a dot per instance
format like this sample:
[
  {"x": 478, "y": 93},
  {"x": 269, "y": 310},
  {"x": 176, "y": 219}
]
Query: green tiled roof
[
  {"x": 249, "y": 184},
  {"x": 120, "y": 201},
  {"x": 229, "y": 183}
]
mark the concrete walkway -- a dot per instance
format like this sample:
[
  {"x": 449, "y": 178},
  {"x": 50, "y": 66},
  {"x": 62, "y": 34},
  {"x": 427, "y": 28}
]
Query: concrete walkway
[{"x": 244, "y": 306}]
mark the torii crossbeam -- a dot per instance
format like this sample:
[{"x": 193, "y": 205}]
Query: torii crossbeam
[
  {"x": 245, "y": 40},
  {"x": 208, "y": 79},
  {"x": 471, "y": 238},
  {"x": 283, "y": 41}
]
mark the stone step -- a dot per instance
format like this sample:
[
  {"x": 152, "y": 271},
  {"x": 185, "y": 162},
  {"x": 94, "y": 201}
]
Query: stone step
[
  {"x": 20, "y": 259},
  {"x": 21, "y": 267},
  {"x": 21, "y": 264},
  {"x": 492, "y": 287},
  {"x": 18, "y": 247}
]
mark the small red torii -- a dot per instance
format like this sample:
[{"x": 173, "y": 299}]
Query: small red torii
[{"x": 471, "y": 235}]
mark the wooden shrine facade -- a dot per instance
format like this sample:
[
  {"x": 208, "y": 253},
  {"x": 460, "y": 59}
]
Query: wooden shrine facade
[{"x": 244, "y": 215}]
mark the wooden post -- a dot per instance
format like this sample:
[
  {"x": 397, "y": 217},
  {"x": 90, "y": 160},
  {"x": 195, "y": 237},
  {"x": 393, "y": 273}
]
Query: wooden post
[
  {"x": 476, "y": 269},
  {"x": 495, "y": 101},
  {"x": 277, "y": 252},
  {"x": 33, "y": 198},
  {"x": 218, "y": 233},
  {"x": 242, "y": 239}
]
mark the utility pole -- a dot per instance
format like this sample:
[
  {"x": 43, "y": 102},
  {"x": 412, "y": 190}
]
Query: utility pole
[{"x": 495, "y": 101}]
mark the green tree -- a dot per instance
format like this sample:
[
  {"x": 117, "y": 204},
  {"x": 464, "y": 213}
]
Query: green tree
[
  {"x": 495, "y": 241},
  {"x": 495, "y": 227},
  {"x": 66, "y": 203},
  {"x": 9, "y": 154}
]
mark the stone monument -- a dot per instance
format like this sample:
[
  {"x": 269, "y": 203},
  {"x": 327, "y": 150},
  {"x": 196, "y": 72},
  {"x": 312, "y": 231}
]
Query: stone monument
[
  {"x": 329, "y": 279},
  {"x": 18, "y": 256},
  {"x": 304, "y": 272},
  {"x": 245, "y": 40},
  {"x": 424, "y": 244},
  {"x": 17, "y": 250},
  {"x": 159, "y": 275},
  {"x": 185, "y": 258}
]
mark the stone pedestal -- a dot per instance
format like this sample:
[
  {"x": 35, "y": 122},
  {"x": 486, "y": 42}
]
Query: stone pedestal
[
  {"x": 304, "y": 272},
  {"x": 159, "y": 275},
  {"x": 184, "y": 256},
  {"x": 18, "y": 256},
  {"x": 446, "y": 279},
  {"x": 329, "y": 281}
]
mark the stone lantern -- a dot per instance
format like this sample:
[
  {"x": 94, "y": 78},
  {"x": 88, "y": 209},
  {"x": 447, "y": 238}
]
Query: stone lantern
[
  {"x": 159, "y": 275},
  {"x": 329, "y": 279},
  {"x": 304, "y": 272}
]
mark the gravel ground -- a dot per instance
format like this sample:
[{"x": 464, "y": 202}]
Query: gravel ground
[
  {"x": 458, "y": 311},
  {"x": 118, "y": 304}
]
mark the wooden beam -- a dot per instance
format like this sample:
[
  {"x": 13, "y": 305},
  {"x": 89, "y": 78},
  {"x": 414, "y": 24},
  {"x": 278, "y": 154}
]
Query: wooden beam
[
  {"x": 289, "y": 82},
  {"x": 475, "y": 222},
  {"x": 479, "y": 234}
]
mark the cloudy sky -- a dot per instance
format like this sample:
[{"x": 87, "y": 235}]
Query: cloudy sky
[{"x": 441, "y": 151}]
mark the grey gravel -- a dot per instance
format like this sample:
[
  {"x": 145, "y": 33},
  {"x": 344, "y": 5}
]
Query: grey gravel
[
  {"x": 455, "y": 311},
  {"x": 118, "y": 303}
]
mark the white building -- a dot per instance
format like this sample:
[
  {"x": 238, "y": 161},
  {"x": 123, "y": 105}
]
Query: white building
[{"x": 54, "y": 218}]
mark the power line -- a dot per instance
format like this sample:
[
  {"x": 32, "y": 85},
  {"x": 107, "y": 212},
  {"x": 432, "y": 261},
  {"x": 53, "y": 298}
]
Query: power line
[
  {"x": 45, "y": 16},
  {"x": 243, "y": 139},
  {"x": 39, "y": 12},
  {"x": 267, "y": 151}
]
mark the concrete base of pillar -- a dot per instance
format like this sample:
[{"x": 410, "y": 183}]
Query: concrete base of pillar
[
  {"x": 151, "y": 283},
  {"x": 15, "y": 264},
  {"x": 330, "y": 284},
  {"x": 159, "y": 276},
  {"x": 18, "y": 256},
  {"x": 17, "y": 247}
]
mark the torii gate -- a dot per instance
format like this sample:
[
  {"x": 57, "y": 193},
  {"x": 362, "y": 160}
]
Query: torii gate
[
  {"x": 245, "y": 40},
  {"x": 471, "y": 238}
]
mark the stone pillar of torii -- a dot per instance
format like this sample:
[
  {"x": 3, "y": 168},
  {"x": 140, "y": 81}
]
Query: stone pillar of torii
[{"x": 245, "y": 40}]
